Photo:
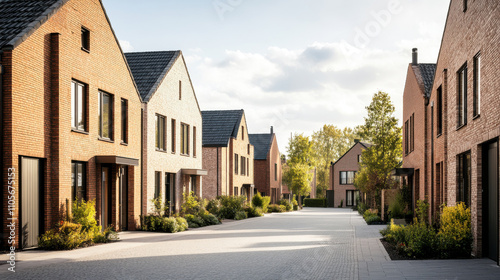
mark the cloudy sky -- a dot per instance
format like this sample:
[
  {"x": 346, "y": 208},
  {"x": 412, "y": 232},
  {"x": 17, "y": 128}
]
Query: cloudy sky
[{"x": 291, "y": 64}]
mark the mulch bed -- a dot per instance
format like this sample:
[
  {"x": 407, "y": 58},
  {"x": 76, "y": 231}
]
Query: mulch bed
[{"x": 393, "y": 251}]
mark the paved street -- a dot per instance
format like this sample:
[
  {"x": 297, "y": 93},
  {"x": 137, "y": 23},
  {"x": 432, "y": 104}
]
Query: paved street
[{"x": 309, "y": 244}]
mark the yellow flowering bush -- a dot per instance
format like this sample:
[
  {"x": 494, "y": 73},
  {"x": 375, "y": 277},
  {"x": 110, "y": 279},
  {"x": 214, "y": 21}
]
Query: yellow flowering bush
[{"x": 455, "y": 235}]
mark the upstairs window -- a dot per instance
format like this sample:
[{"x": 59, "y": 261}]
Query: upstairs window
[
  {"x": 462, "y": 96},
  {"x": 105, "y": 115},
  {"x": 275, "y": 172},
  {"x": 347, "y": 177},
  {"x": 439, "y": 111},
  {"x": 78, "y": 190},
  {"x": 172, "y": 142},
  {"x": 184, "y": 139},
  {"x": 78, "y": 106},
  {"x": 160, "y": 133},
  {"x": 236, "y": 164},
  {"x": 477, "y": 86},
  {"x": 180, "y": 90},
  {"x": 85, "y": 39},
  {"x": 124, "y": 121},
  {"x": 242, "y": 133},
  {"x": 194, "y": 141}
]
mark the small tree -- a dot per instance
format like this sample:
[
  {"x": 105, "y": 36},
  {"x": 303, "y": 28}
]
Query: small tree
[{"x": 296, "y": 173}]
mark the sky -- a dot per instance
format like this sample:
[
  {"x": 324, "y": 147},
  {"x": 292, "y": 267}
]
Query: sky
[{"x": 291, "y": 64}]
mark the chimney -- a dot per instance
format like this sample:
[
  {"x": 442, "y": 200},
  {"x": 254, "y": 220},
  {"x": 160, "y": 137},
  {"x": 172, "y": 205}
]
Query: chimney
[
  {"x": 414, "y": 57},
  {"x": 272, "y": 130},
  {"x": 356, "y": 141}
]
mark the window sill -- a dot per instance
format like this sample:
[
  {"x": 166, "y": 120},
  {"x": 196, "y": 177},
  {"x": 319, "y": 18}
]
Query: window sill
[
  {"x": 79, "y": 131},
  {"x": 124, "y": 143},
  {"x": 461, "y": 126},
  {"x": 185, "y": 155},
  {"x": 173, "y": 153},
  {"x": 160, "y": 150},
  {"x": 85, "y": 50},
  {"x": 476, "y": 117},
  {"x": 105, "y": 140},
  {"x": 439, "y": 135}
]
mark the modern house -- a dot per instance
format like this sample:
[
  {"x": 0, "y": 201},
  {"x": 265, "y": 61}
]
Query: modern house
[
  {"x": 227, "y": 154},
  {"x": 69, "y": 113},
  {"x": 462, "y": 126},
  {"x": 342, "y": 174},
  {"x": 267, "y": 165},
  {"x": 172, "y": 156}
]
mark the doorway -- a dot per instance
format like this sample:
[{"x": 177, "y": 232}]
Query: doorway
[
  {"x": 490, "y": 200},
  {"x": 123, "y": 197},
  {"x": 31, "y": 206},
  {"x": 105, "y": 197}
]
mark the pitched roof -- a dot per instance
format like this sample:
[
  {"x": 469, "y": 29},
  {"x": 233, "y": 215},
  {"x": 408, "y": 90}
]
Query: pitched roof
[
  {"x": 20, "y": 18},
  {"x": 427, "y": 70},
  {"x": 262, "y": 144},
  {"x": 364, "y": 144},
  {"x": 149, "y": 69},
  {"x": 219, "y": 126}
]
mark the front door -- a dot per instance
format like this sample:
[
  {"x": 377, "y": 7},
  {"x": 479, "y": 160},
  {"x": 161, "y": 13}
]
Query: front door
[
  {"x": 30, "y": 201},
  {"x": 490, "y": 200},
  {"x": 106, "y": 197},
  {"x": 123, "y": 197}
]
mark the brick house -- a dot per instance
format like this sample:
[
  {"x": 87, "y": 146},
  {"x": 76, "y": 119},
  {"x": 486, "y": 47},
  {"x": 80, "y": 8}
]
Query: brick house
[
  {"x": 172, "y": 118},
  {"x": 416, "y": 150},
  {"x": 342, "y": 173},
  {"x": 227, "y": 154},
  {"x": 69, "y": 109},
  {"x": 267, "y": 165},
  {"x": 462, "y": 126}
]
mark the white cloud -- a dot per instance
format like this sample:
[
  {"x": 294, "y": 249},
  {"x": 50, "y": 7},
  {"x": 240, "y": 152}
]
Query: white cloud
[{"x": 126, "y": 46}]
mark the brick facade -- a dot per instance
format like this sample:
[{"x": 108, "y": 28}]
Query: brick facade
[
  {"x": 37, "y": 109},
  {"x": 268, "y": 181}
]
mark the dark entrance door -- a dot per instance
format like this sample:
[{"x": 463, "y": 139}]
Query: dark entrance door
[
  {"x": 490, "y": 200},
  {"x": 31, "y": 209},
  {"x": 123, "y": 197},
  {"x": 105, "y": 197}
]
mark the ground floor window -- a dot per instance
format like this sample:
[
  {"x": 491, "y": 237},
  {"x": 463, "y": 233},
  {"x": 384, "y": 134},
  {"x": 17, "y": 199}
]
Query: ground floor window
[
  {"x": 463, "y": 178},
  {"x": 157, "y": 184},
  {"x": 78, "y": 190},
  {"x": 352, "y": 197},
  {"x": 235, "y": 193}
]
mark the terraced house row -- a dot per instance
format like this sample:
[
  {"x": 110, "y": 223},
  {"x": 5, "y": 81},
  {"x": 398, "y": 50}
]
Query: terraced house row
[
  {"x": 451, "y": 121},
  {"x": 82, "y": 120}
]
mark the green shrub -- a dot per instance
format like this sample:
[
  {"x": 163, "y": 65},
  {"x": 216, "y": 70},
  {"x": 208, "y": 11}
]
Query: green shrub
[
  {"x": 282, "y": 208},
  {"x": 295, "y": 204},
  {"x": 372, "y": 219},
  {"x": 422, "y": 211},
  {"x": 274, "y": 208},
  {"x": 168, "y": 225},
  {"x": 341, "y": 203},
  {"x": 288, "y": 205},
  {"x": 315, "y": 202},
  {"x": 192, "y": 204},
  {"x": 362, "y": 208},
  {"x": 421, "y": 240},
  {"x": 455, "y": 236},
  {"x": 213, "y": 206},
  {"x": 68, "y": 236},
  {"x": 261, "y": 201},
  {"x": 208, "y": 219},
  {"x": 182, "y": 224},
  {"x": 194, "y": 221},
  {"x": 240, "y": 215},
  {"x": 397, "y": 207},
  {"x": 253, "y": 211},
  {"x": 230, "y": 205}
]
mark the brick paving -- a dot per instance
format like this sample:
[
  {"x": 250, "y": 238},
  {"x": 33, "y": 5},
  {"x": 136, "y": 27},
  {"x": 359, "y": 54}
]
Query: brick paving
[{"x": 309, "y": 244}]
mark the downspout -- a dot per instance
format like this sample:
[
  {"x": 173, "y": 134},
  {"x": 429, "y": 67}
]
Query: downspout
[
  {"x": 432, "y": 161},
  {"x": 142, "y": 165}
]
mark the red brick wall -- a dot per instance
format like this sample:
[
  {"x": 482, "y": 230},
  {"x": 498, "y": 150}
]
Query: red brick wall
[{"x": 349, "y": 162}]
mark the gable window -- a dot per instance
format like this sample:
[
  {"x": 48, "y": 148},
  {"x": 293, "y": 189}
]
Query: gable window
[
  {"x": 439, "y": 111},
  {"x": 85, "y": 39},
  {"x": 243, "y": 167},
  {"x": 465, "y": 6},
  {"x": 359, "y": 158},
  {"x": 78, "y": 190},
  {"x": 180, "y": 90},
  {"x": 248, "y": 167},
  {"x": 464, "y": 178},
  {"x": 194, "y": 141},
  {"x": 412, "y": 132},
  {"x": 242, "y": 133},
  {"x": 236, "y": 164},
  {"x": 347, "y": 177},
  {"x": 275, "y": 172},
  {"x": 78, "y": 106},
  {"x": 160, "y": 133},
  {"x": 477, "y": 86},
  {"x": 124, "y": 120},
  {"x": 406, "y": 138},
  {"x": 248, "y": 148},
  {"x": 105, "y": 115},
  {"x": 172, "y": 142},
  {"x": 462, "y": 96},
  {"x": 184, "y": 139}
]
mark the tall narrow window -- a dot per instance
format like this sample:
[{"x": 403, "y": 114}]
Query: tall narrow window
[
  {"x": 243, "y": 168},
  {"x": 172, "y": 142},
  {"x": 462, "y": 96},
  {"x": 248, "y": 167},
  {"x": 248, "y": 148},
  {"x": 439, "y": 111},
  {"x": 105, "y": 115},
  {"x": 412, "y": 132},
  {"x": 194, "y": 141},
  {"x": 465, "y": 6},
  {"x": 275, "y": 172},
  {"x": 180, "y": 90},
  {"x": 78, "y": 190},
  {"x": 242, "y": 133},
  {"x": 124, "y": 121},
  {"x": 78, "y": 106},
  {"x": 477, "y": 86},
  {"x": 184, "y": 139},
  {"x": 160, "y": 133},
  {"x": 85, "y": 39},
  {"x": 236, "y": 164},
  {"x": 157, "y": 184},
  {"x": 464, "y": 178},
  {"x": 406, "y": 137}
]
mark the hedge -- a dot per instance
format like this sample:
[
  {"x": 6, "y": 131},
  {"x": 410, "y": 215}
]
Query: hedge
[{"x": 314, "y": 202}]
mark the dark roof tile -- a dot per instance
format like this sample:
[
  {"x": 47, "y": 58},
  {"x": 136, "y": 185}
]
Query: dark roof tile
[
  {"x": 262, "y": 144},
  {"x": 220, "y": 126},
  {"x": 427, "y": 70}
]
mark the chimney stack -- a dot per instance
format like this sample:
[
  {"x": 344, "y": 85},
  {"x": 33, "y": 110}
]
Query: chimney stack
[
  {"x": 272, "y": 130},
  {"x": 414, "y": 56}
]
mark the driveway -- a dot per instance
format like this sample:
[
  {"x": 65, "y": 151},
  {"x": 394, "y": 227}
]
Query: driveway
[{"x": 315, "y": 243}]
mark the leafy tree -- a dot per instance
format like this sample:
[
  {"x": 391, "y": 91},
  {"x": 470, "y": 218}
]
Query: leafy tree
[
  {"x": 382, "y": 131},
  {"x": 296, "y": 173},
  {"x": 329, "y": 144}
]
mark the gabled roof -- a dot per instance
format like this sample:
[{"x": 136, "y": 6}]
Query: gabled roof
[
  {"x": 364, "y": 144},
  {"x": 20, "y": 18},
  {"x": 427, "y": 71},
  {"x": 149, "y": 69},
  {"x": 219, "y": 126},
  {"x": 262, "y": 144}
]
